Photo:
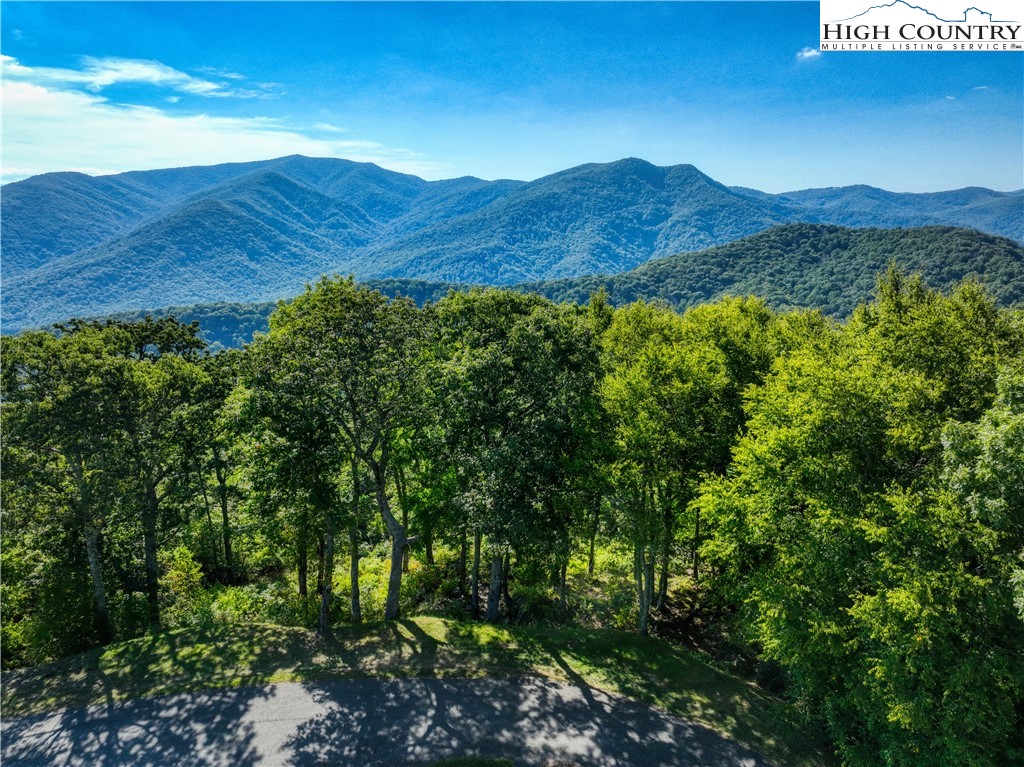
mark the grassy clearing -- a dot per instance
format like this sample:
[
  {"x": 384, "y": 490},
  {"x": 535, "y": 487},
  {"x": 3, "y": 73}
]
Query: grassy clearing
[{"x": 645, "y": 669}]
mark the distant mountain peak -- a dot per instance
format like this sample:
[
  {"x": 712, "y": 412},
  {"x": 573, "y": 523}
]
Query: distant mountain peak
[{"x": 261, "y": 230}]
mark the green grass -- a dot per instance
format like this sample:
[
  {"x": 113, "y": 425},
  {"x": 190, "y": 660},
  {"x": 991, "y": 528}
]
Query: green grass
[{"x": 644, "y": 669}]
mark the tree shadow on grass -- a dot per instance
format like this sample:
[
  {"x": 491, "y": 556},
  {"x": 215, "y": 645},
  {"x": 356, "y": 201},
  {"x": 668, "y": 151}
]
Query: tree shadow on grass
[
  {"x": 396, "y": 721},
  {"x": 162, "y": 663},
  {"x": 679, "y": 682}
]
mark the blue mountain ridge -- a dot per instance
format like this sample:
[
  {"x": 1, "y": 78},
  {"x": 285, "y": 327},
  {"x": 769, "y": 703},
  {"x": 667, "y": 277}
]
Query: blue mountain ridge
[{"x": 80, "y": 245}]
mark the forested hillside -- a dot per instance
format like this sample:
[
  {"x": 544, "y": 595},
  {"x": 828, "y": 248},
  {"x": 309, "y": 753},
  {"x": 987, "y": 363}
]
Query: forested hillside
[
  {"x": 792, "y": 266},
  {"x": 230, "y": 325},
  {"x": 834, "y": 508},
  {"x": 811, "y": 266},
  {"x": 76, "y": 245}
]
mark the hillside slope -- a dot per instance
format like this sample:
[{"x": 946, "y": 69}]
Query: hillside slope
[
  {"x": 593, "y": 218},
  {"x": 823, "y": 267},
  {"x": 795, "y": 265},
  {"x": 78, "y": 245}
]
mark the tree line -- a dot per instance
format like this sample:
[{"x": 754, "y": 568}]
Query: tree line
[{"x": 844, "y": 501}]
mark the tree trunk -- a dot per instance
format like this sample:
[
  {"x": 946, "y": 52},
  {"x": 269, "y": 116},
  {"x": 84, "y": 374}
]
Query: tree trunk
[
  {"x": 563, "y": 606},
  {"x": 638, "y": 582},
  {"x": 494, "y": 594},
  {"x": 463, "y": 556},
  {"x": 593, "y": 537},
  {"x": 428, "y": 544},
  {"x": 321, "y": 553},
  {"x": 209, "y": 527},
  {"x": 666, "y": 555},
  {"x": 398, "y": 540},
  {"x": 92, "y": 547},
  {"x": 643, "y": 573},
  {"x": 696, "y": 544},
  {"x": 302, "y": 551},
  {"x": 222, "y": 491},
  {"x": 353, "y": 551},
  {"x": 404, "y": 507},
  {"x": 505, "y": 575},
  {"x": 474, "y": 586},
  {"x": 353, "y": 547},
  {"x": 645, "y": 605},
  {"x": 149, "y": 518},
  {"x": 650, "y": 582},
  {"x": 394, "y": 578},
  {"x": 323, "y": 625}
]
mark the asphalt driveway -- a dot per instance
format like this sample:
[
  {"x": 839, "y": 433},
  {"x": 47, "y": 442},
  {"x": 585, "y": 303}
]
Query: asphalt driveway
[{"x": 366, "y": 722}]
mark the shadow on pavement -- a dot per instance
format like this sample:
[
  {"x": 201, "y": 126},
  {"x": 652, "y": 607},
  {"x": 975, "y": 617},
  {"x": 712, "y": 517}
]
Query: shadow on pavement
[
  {"x": 530, "y": 721},
  {"x": 370, "y": 723},
  {"x": 197, "y": 728}
]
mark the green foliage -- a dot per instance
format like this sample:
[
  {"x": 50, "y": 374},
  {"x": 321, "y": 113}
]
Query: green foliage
[
  {"x": 275, "y": 602},
  {"x": 129, "y": 613},
  {"x": 871, "y": 542},
  {"x": 835, "y": 506},
  {"x": 516, "y": 390},
  {"x": 59, "y": 621},
  {"x": 811, "y": 266},
  {"x": 183, "y": 599}
]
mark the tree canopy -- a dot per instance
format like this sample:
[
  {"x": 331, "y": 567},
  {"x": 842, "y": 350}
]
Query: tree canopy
[{"x": 835, "y": 508}]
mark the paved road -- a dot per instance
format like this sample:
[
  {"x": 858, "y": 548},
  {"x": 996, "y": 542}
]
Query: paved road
[{"x": 369, "y": 722}]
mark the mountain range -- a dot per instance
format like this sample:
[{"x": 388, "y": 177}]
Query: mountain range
[
  {"x": 814, "y": 266},
  {"x": 76, "y": 245}
]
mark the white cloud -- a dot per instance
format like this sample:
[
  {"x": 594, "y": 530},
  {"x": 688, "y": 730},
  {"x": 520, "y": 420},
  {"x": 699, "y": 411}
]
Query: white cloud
[
  {"x": 808, "y": 54},
  {"x": 96, "y": 74},
  {"x": 328, "y": 128},
  {"x": 221, "y": 73},
  {"x": 47, "y": 128}
]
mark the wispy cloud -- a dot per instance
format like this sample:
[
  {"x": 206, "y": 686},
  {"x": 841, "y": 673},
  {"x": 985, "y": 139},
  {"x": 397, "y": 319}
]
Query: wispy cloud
[
  {"x": 223, "y": 73},
  {"x": 808, "y": 54},
  {"x": 95, "y": 74},
  {"x": 328, "y": 128},
  {"x": 52, "y": 125}
]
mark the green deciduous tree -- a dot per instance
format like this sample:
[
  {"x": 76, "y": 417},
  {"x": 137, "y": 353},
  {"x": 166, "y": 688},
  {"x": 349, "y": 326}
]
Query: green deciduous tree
[
  {"x": 339, "y": 373},
  {"x": 63, "y": 417},
  {"x": 516, "y": 394},
  {"x": 665, "y": 394},
  {"x": 859, "y": 530}
]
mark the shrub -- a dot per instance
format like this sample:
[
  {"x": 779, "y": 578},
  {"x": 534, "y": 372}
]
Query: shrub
[
  {"x": 129, "y": 613},
  {"x": 63, "y": 621},
  {"x": 183, "y": 600}
]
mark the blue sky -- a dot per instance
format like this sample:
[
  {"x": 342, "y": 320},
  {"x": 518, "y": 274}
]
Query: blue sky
[{"x": 501, "y": 90}]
